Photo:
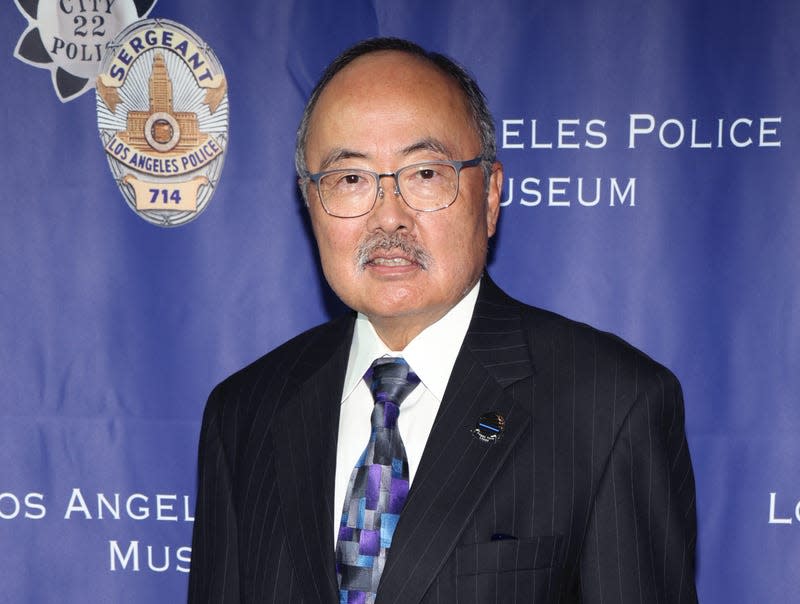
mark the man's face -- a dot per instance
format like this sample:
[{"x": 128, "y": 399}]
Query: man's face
[{"x": 384, "y": 111}]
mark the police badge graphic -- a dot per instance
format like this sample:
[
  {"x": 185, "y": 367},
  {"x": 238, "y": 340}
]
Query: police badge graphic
[
  {"x": 67, "y": 37},
  {"x": 162, "y": 112}
]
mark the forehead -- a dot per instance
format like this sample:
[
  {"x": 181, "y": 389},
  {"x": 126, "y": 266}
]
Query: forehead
[{"x": 387, "y": 95}]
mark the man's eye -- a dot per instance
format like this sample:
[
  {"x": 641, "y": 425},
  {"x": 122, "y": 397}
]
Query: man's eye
[
  {"x": 429, "y": 174},
  {"x": 346, "y": 180}
]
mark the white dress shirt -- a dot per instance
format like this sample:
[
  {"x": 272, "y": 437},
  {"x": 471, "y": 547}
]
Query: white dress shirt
[{"x": 431, "y": 355}]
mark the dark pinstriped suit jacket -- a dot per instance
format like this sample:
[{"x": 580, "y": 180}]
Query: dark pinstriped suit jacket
[{"x": 592, "y": 479}]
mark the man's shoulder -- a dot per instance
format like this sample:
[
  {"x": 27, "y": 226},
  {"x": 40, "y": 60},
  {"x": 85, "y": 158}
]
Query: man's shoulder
[{"x": 553, "y": 335}]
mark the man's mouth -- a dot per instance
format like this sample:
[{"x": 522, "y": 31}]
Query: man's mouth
[{"x": 394, "y": 261}]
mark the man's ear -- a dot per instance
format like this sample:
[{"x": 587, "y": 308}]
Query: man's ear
[{"x": 493, "y": 196}]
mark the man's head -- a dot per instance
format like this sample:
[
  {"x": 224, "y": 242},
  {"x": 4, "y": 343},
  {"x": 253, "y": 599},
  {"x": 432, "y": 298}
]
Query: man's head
[{"x": 383, "y": 105}]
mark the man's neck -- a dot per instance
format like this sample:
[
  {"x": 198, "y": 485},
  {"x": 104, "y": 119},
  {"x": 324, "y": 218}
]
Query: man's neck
[{"x": 397, "y": 332}]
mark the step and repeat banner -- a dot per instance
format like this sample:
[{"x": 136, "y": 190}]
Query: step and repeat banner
[{"x": 152, "y": 241}]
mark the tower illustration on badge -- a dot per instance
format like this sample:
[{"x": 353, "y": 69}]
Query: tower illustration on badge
[{"x": 162, "y": 112}]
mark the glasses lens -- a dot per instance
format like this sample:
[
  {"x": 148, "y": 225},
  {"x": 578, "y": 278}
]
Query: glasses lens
[
  {"x": 428, "y": 186},
  {"x": 348, "y": 193}
]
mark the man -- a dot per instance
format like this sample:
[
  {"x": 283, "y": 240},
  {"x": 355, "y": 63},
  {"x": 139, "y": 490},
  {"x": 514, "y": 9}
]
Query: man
[{"x": 547, "y": 461}]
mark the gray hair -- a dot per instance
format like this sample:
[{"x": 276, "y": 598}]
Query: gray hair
[{"x": 476, "y": 101}]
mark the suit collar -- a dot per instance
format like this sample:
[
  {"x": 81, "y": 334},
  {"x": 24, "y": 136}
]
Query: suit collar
[{"x": 496, "y": 336}]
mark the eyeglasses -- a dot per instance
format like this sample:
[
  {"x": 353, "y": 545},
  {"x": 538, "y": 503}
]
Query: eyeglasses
[{"x": 426, "y": 187}]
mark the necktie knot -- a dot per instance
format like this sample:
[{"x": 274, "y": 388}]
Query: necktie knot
[{"x": 390, "y": 379}]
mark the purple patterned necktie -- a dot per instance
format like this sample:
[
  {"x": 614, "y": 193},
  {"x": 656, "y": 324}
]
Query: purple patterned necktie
[{"x": 378, "y": 487}]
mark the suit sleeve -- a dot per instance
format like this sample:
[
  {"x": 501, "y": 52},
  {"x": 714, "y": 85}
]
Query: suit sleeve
[
  {"x": 214, "y": 573},
  {"x": 641, "y": 537}
]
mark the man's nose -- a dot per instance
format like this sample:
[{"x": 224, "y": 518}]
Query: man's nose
[{"x": 390, "y": 212}]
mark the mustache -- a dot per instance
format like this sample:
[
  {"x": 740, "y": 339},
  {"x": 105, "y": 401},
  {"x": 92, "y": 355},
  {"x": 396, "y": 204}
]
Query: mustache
[{"x": 396, "y": 241}]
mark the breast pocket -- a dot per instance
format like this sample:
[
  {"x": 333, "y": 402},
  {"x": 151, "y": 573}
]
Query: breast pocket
[{"x": 509, "y": 570}]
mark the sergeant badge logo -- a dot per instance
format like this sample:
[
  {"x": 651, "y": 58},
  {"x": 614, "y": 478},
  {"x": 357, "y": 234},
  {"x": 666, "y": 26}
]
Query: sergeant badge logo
[{"x": 162, "y": 112}]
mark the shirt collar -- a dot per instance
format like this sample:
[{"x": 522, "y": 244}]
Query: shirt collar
[{"x": 431, "y": 354}]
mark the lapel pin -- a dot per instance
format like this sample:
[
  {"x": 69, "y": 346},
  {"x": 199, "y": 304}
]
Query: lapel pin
[{"x": 490, "y": 427}]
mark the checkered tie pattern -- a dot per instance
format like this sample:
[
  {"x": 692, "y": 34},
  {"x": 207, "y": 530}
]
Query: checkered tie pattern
[{"x": 378, "y": 487}]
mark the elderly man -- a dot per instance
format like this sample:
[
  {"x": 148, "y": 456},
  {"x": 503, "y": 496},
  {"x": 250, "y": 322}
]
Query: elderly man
[{"x": 443, "y": 443}]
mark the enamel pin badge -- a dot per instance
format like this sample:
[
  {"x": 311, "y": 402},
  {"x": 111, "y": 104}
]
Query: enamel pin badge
[{"x": 490, "y": 427}]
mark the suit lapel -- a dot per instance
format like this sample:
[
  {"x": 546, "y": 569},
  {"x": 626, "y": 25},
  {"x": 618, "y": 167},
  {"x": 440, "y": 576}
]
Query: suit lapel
[
  {"x": 457, "y": 468},
  {"x": 305, "y": 456}
]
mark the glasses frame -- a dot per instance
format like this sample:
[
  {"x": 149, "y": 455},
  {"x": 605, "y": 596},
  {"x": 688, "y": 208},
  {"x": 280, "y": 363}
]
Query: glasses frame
[{"x": 457, "y": 165}]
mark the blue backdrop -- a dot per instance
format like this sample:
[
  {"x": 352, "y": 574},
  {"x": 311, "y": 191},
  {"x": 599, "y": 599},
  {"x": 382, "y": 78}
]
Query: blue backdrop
[{"x": 651, "y": 190}]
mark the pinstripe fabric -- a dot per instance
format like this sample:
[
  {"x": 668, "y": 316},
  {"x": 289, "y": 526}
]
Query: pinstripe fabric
[
  {"x": 592, "y": 478},
  {"x": 268, "y": 440}
]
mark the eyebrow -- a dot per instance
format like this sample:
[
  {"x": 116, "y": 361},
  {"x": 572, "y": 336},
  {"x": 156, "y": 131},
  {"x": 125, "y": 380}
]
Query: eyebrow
[
  {"x": 426, "y": 144},
  {"x": 338, "y": 154}
]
